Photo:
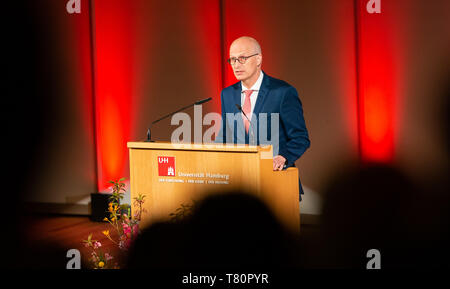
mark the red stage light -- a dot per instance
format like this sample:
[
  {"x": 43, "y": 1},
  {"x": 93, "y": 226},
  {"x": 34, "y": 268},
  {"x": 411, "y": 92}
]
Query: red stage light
[
  {"x": 376, "y": 84},
  {"x": 113, "y": 56}
]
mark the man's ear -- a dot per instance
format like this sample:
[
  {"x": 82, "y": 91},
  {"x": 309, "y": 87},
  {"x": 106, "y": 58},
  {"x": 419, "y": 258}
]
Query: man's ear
[{"x": 259, "y": 60}]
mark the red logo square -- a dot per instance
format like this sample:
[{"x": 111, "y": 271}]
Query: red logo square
[{"x": 166, "y": 166}]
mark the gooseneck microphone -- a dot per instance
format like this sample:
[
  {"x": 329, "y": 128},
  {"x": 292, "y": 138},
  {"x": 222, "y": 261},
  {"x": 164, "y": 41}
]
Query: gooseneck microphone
[
  {"x": 251, "y": 124},
  {"x": 149, "y": 133}
]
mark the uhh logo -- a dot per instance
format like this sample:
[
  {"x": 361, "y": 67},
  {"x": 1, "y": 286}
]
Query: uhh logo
[{"x": 166, "y": 166}]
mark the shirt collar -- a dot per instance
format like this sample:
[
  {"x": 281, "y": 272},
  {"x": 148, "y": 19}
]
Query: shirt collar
[{"x": 257, "y": 84}]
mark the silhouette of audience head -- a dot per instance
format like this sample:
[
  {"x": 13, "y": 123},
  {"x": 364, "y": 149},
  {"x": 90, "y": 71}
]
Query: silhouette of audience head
[
  {"x": 232, "y": 229},
  {"x": 374, "y": 207}
]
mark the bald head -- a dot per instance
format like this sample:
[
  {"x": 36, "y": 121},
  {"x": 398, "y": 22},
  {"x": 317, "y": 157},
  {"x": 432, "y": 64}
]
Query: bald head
[
  {"x": 246, "y": 59},
  {"x": 248, "y": 42}
]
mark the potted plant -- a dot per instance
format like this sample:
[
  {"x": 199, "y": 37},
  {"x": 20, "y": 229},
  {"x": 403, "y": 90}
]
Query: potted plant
[
  {"x": 124, "y": 225},
  {"x": 101, "y": 201}
]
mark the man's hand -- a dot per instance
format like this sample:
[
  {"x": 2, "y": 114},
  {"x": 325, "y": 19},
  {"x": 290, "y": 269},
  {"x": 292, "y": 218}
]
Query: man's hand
[{"x": 278, "y": 163}]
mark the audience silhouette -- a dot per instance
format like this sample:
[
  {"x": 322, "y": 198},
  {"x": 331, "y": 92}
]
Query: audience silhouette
[
  {"x": 232, "y": 229},
  {"x": 378, "y": 207}
]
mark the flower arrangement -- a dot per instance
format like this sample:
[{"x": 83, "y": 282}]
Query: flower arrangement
[
  {"x": 121, "y": 220},
  {"x": 99, "y": 259}
]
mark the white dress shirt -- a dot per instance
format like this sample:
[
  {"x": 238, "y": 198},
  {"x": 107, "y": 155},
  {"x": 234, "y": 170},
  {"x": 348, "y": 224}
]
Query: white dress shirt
[{"x": 254, "y": 94}]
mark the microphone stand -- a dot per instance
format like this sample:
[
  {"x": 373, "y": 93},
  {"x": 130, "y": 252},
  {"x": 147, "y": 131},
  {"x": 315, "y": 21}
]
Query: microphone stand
[{"x": 149, "y": 133}]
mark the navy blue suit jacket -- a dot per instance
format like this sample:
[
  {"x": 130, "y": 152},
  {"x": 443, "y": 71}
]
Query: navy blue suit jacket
[{"x": 276, "y": 98}]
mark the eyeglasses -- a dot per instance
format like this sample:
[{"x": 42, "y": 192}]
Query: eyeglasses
[{"x": 241, "y": 59}]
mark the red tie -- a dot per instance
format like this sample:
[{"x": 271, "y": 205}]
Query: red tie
[{"x": 247, "y": 108}]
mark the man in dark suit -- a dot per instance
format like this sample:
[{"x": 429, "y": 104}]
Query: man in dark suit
[{"x": 272, "y": 106}]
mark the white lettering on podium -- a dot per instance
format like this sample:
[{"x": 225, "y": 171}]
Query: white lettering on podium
[{"x": 163, "y": 160}]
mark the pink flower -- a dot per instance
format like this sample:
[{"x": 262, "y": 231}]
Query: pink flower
[
  {"x": 108, "y": 257},
  {"x": 124, "y": 243},
  {"x": 94, "y": 257},
  {"x": 135, "y": 230},
  {"x": 97, "y": 244},
  {"x": 126, "y": 230}
]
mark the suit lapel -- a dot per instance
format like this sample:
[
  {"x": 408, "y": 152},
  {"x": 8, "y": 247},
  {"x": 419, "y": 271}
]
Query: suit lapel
[
  {"x": 237, "y": 96},
  {"x": 237, "y": 100},
  {"x": 263, "y": 90}
]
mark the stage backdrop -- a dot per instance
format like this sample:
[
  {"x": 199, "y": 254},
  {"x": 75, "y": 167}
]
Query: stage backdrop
[{"x": 369, "y": 82}]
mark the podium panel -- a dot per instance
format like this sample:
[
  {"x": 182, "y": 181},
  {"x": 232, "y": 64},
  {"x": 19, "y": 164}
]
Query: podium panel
[{"x": 171, "y": 175}]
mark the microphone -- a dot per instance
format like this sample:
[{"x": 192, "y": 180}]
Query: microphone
[
  {"x": 203, "y": 101},
  {"x": 251, "y": 125},
  {"x": 149, "y": 133}
]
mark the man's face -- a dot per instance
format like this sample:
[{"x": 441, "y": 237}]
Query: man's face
[{"x": 251, "y": 66}]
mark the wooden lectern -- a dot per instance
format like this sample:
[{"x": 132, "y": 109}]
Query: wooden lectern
[{"x": 172, "y": 174}]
